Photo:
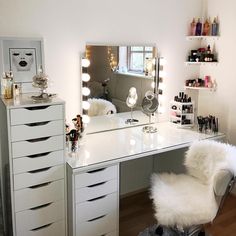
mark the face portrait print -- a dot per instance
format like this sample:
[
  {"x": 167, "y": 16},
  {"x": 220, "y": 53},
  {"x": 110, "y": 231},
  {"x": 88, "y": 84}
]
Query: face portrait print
[
  {"x": 23, "y": 63},
  {"x": 22, "y": 59}
]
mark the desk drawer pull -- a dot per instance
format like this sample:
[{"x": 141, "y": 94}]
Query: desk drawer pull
[
  {"x": 40, "y": 185},
  {"x": 39, "y": 170},
  {"x": 41, "y": 227},
  {"x": 39, "y": 207},
  {"x": 37, "y": 124},
  {"x": 94, "y": 185},
  {"x": 36, "y": 108},
  {"x": 39, "y": 155},
  {"x": 35, "y": 140},
  {"x": 97, "y": 218},
  {"x": 94, "y": 171},
  {"x": 97, "y": 198}
]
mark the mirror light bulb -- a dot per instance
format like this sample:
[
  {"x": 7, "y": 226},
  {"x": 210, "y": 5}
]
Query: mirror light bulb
[
  {"x": 153, "y": 85},
  {"x": 85, "y": 62},
  {"x": 162, "y": 73},
  {"x": 85, "y": 105},
  {"x": 85, "y": 91},
  {"x": 86, "y": 119},
  {"x": 162, "y": 61},
  {"x": 85, "y": 77},
  {"x": 153, "y": 73}
]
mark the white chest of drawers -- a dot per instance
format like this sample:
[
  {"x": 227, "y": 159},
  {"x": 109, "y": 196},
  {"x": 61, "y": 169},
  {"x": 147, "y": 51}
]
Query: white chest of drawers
[
  {"x": 93, "y": 198},
  {"x": 33, "y": 167}
]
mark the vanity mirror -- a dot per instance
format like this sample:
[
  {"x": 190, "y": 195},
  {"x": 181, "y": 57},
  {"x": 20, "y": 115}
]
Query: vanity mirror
[{"x": 113, "y": 71}]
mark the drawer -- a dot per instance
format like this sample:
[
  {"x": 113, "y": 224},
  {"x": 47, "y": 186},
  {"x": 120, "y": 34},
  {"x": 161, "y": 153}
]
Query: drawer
[
  {"x": 39, "y": 195},
  {"x": 52, "y": 229},
  {"x": 37, "y": 130},
  {"x": 40, "y": 216},
  {"x": 38, "y": 161},
  {"x": 36, "y": 146},
  {"x": 36, "y": 177},
  {"x": 96, "y": 176},
  {"x": 97, "y": 190},
  {"x": 102, "y": 225},
  {"x": 34, "y": 114},
  {"x": 96, "y": 207}
]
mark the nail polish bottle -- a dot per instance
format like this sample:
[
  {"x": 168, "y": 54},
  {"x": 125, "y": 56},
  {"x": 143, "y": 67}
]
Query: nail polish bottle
[{"x": 198, "y": 28}]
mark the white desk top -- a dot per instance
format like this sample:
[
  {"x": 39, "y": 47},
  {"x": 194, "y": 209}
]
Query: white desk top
[{"x": 120, "y": 145}]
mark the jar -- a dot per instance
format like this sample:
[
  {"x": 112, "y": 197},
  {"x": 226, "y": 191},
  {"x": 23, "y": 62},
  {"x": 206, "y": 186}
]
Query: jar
[{"x": 7, "y": 85}]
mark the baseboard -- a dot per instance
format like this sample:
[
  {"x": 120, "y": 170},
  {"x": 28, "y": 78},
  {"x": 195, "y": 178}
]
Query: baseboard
[{"x": 134, "y": 193}]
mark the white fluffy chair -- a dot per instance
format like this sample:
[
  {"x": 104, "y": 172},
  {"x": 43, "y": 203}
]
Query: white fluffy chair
[
  {"x": 185, "y": 202},
  {"x": 100, "y": 107}
]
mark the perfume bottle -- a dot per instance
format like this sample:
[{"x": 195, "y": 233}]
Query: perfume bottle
[
  {"x": 214, "y": 27},
  {"x": 7, "y": 85},
  {"x": 193, "y": 27},
  {"x": 198, "y": 28},
  {"x": 206, "y": 28}
]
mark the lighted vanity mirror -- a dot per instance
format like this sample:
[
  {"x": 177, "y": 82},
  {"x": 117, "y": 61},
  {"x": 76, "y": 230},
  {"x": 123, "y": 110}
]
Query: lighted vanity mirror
[{"x": 113, "y": 71}]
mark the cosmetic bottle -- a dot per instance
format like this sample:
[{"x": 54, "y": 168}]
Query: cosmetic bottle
[
  {"x": 198, "y": 28},
  {"x": 193, "y": 27},
  {"x": 206, "y": 28},
  {"x": 7, "y": 85},
  {"x": 214, "y": 27}
]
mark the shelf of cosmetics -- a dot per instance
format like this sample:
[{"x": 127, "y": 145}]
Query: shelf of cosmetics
[
  {"x": 204, "y": 28},
  {"x": 9, "y": 88},
  {"x": 201, "y": 84},
  {"x": 73, "y": 135},
  {"x": 208, "y": 124},
  {"x": 182, "y": 110},
  {"x": 202, "y": 55}
]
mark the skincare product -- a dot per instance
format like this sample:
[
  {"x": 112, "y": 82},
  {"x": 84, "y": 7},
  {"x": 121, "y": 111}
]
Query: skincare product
[{"x": 198, "y": 28}]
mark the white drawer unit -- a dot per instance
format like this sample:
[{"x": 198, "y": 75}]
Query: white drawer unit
[
  {"x": 94, "y": 197},
  {"x": 34, "y": 164}
]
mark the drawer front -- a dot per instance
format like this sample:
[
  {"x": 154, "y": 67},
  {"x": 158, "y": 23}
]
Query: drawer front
[
  {"x": 37, "y": 177},
  {"x": 38, "y": 161},
  {"x": 97, "y": 190},
  {"x": 36, "y": 146},
  {"x": 96, "y": 207},
  {"x": 36, "y": 114},
  {"x": 32, "y": 197},
  {"x": 97, "y": 227},
  {"x": 37, "y": 130},
  {"x": 52, "y": 229},
  {"x": 96, "y": 176},
  {"x": 34, "y": 218}
]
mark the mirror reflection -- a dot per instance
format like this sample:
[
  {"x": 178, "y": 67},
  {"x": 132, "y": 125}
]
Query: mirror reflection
[{"x": 113, "y": 71}]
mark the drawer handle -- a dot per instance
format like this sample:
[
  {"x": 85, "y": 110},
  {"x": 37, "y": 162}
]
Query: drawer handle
[
  {"x": 39, "y": 170},
  {"x": 41, "y": 227},
  {"x": 40, "y": 185},
  {"x": 94, "y": 171},
  {"x": 37, "y": 124},
  {"x": 94, "y": 185},
  {"x": 35, "y": 140},
  {"x": 39, "y": 207},
  {"x": 36, "y": 108},
  {"x": 97, "y": 218},
  {"x": 39, "y": 155},
  {"x": 97, "y": 198}
]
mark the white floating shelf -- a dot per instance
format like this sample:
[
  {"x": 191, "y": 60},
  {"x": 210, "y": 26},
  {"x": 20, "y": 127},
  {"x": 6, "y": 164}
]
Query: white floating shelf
[
  {"x": 199, "y": 88},
  {"x": 188, "y": 63},
  {"x": 202, "y": 37}
]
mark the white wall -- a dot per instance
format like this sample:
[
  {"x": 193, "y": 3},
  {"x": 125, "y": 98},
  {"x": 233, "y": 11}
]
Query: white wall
[
  {"x": 222, "y": 102},
  {"x": 67, "y": 25}
]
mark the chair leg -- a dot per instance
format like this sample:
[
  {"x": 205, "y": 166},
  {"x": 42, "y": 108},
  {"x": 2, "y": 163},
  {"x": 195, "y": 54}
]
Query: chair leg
[{"x": 159, "y": 230}]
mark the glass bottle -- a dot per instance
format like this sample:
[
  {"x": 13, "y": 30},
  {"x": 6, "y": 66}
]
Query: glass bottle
[
  {"x": 206, "y": 28},
  {"x": 7, "y": 85},
  {"x": 198, "y": 28},
  {"x": 214, "y": 27},
  {"x": 193, "y": 27}
]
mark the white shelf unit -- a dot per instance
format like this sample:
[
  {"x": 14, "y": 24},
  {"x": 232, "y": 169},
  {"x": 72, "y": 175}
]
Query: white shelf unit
[
  {"x": 190, "y": 63},
  {"x": 202, "y": 37},
  {"x": 184, "y": 112},
  {"x": 33, "y": 166},
  {"x": 200, "y": 88}
]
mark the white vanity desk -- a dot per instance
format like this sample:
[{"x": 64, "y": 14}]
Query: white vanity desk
[{"x": 93, "y": 173}]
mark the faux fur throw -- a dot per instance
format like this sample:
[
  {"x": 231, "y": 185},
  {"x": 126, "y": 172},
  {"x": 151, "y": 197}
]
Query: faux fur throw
[
  {"x": 188, "y": 199},
  {"x": 99, "y": 107}
]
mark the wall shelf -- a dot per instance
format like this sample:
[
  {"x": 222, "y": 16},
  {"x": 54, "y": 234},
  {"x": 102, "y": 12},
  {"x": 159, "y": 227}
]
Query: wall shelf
[
  {"x": 189, "y": 63},
  {"x": 200, "y": 88},
  {"x": 202, "y": 37}
]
